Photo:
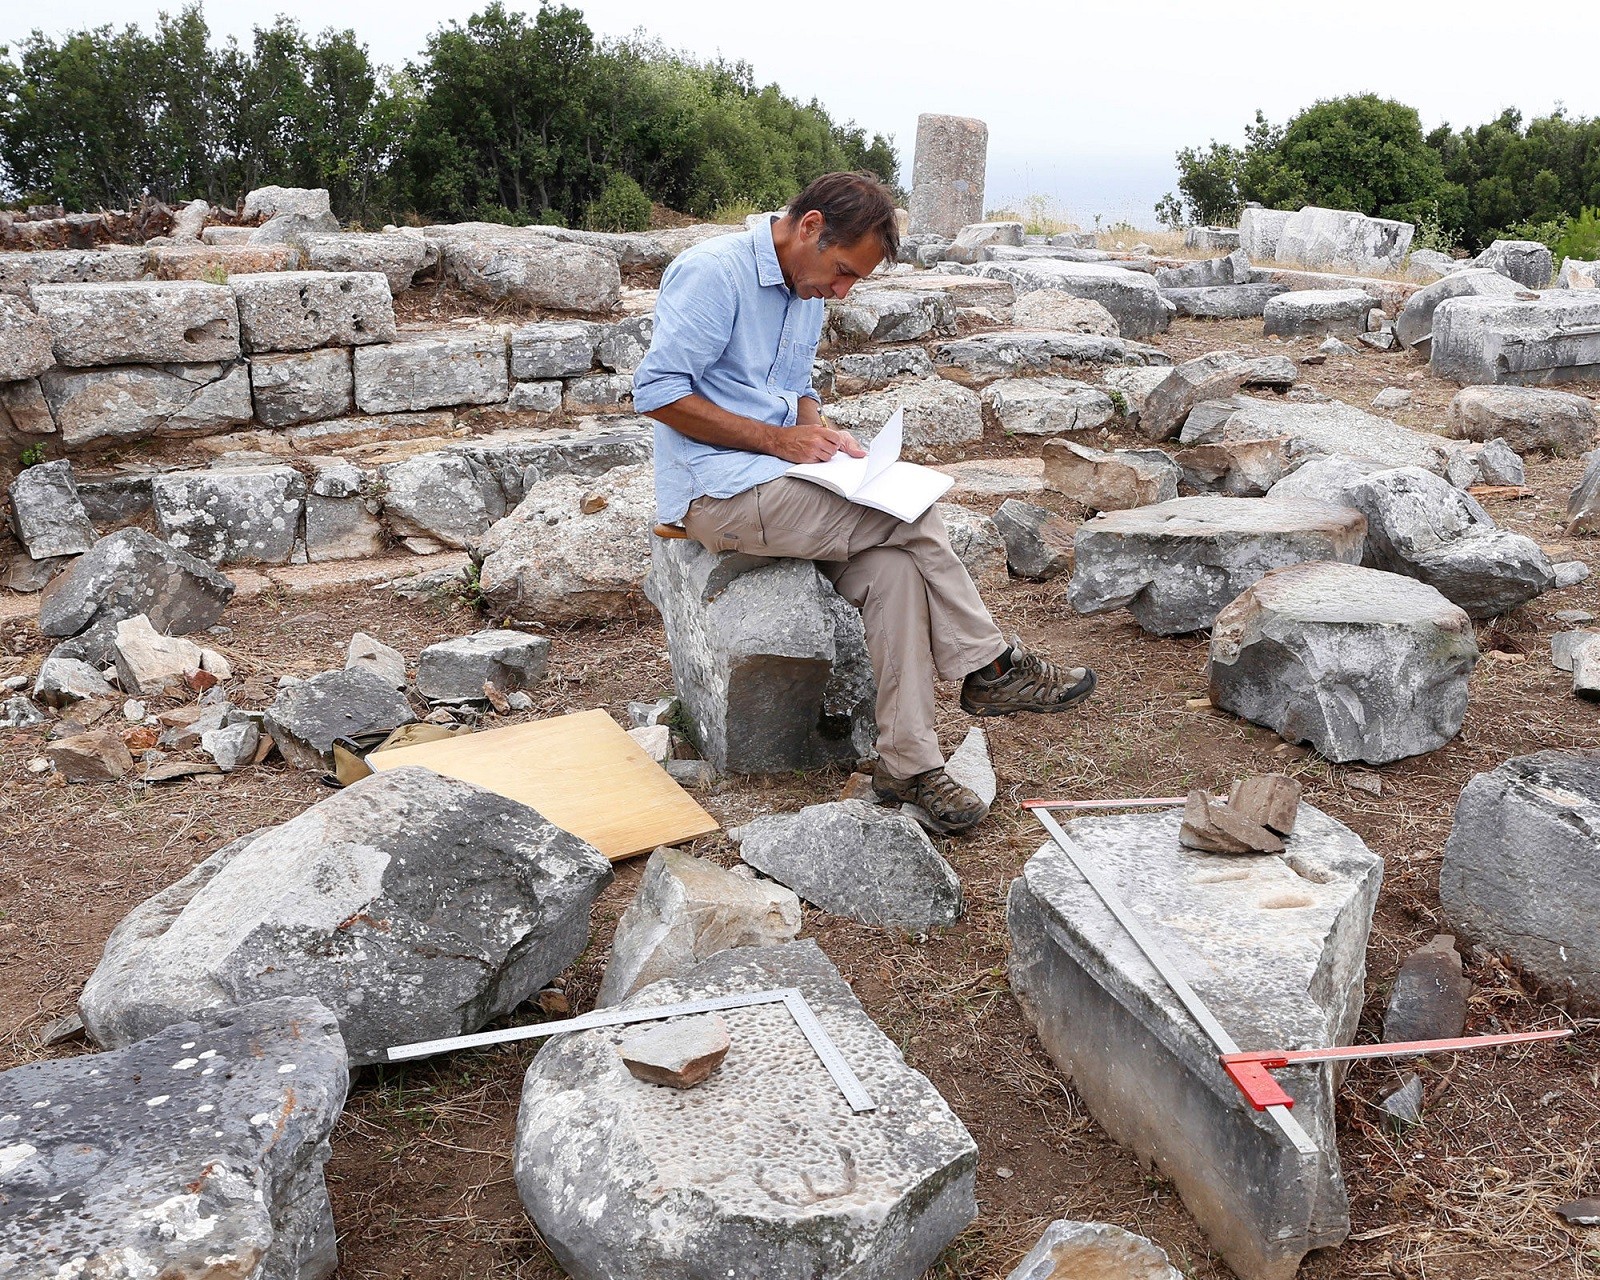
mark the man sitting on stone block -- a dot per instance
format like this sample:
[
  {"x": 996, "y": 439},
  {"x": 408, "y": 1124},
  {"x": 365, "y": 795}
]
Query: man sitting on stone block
[{"x": 728, "y": 381}]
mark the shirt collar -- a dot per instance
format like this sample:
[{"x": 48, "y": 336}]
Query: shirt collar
[{"x": 768, "y": 269}]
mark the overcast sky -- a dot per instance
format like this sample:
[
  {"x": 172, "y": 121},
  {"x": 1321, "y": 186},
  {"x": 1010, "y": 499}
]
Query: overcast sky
[{"x": 1085, "y": 104}]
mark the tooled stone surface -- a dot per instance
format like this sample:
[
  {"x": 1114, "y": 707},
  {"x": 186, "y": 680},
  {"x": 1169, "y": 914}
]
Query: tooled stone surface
[
  {"x": 192, "y": 1154},
  {"x": 140, "y": 322},
  {"x": 299, "y": 310},
  {"x": 413, "y": 905},
  {"x": 1362, "y": 664},
  {"x": 1275, "y": 947},
  {"x": 763, "y": 1170},
  {"x": 1175, "y": 564}
]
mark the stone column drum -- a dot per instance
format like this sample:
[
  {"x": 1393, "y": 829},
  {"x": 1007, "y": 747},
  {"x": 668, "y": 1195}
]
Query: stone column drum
[{"x": 947, "y": 174}]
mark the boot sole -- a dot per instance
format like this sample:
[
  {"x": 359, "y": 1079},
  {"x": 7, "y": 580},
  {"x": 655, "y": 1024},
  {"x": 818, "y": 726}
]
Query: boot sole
[{"x": 980, "y": 711}]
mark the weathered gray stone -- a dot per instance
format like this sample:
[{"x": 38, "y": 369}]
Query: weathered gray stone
[
  {"x": 1326, "y": 479},
  {"x": 413, "y": 905},
  {"x": 1210, "y": 273},
  {"x": 19, "y": 712},
  {"x": 457, "y": 670},
  {"x": 146, "y": 400},
  {"x": 969, "y": 765},
  {"x": 1038, "y": 541},
  {"x": 873, "y": 314},
  {"x": 1323, "y": 238},
  {"x": 1427, "y": 265},
  {"x": 1424, "y": 527},
  {"x": 204, "y": 1142},
  {"x": 534, "y": 269},
  {"x": 1576, "y": 274},
  {"x": 1429, "y": 997},
  {"x": 947, "y": 174},
  {"x": 589, "y": 1134},
  {"x": 977, "y": 544},
  {"x": 1275, "y": 947},
  {"x": 1237, "y": 468},
  {"x": 1499, "y": 465},
  {"x": 23, "y": 408},
  {"x": 305, "y": 718},
  {"x": 1414, "y": 325},
  {"x": 1116, "y": 481},
  {"x": 535, "y": 397},
  {"x": 938, "y": 415},
  {"x": 1586, "y": 670},
  {"x": 1554, "y": 337},
  {"x": 552, "y": 350},
  {"x": 1070, "y": 1249},
  {"x": 1008, "y": 353},
  {"x": 397, "y": 257},
  {"x": 1130, "y": 296},
  {"x": 1518, "y": 874},
  {"x": 62, "y": 681},
  {"x": 973, "y": 238},
  {"x": 857, "y": 860},
  {"x": 1213, "y": 376},
  {"x": 1318, "y": 429},
  {"x": 231, "y": 515},
  {"x": 424, "y": 371},
  {"x": 446, "y": 497},
  {"x": 1527, "y": 418},
  {"x": 299, "y": 310},
  {"x": 770, "y": 663},
  {"x": 46, "y": 513},
  {"x": 1057, "y": 312},
  {"x": 1225, "y": 301},
  {"x": 1564, "y": 644},
  {"x": 598, "y": 393},
  {"x": 232, "y": 746},
  {"x": 368, "y": 653},
  {"x": 1049, "y": 406},
  {"x": 1391, "y": 398},
  {"x": 1363, "y": 665},
  {"x": 340, "y": 523},
  {"x": 686, "y": 910},
  {"x": 272, "y": 202},
  {"x": 18, "y": 271},
  {"x": 1177, "y": 563},
  {"x": 25, "y": 340},
  {"x": 1528, "y": 262},
  {"x": 140, "y": 322},
  {"x": 301, "y": 386},
  {"x": 994, "y": 477},
  {"x": 622, "y": 346},
  {"x": 151, "y": 663},
  {"x": 1583, "y": 503},
  {"x": 553, "y": 560},
  {"x": 871, "y": 370},
  {"x": 1316, "y": 313},
  {"x": 130, "y": 572}
]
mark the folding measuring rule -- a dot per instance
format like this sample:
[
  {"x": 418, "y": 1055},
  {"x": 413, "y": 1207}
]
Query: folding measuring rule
[
  {"x": 1251, "y": 1072},
  {"x": 805, "y": 1017}
]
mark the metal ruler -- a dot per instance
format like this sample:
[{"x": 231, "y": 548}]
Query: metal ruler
[
  {"x": 804, "y": 1016},
  {"x": 1281, "y": 1115}
]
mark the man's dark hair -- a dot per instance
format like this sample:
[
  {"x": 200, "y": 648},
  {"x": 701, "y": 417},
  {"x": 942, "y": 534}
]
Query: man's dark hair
[{"x": 853, "y": 206}]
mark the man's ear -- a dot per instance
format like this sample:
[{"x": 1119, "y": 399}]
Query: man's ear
[{"x": 811, "y": 224}]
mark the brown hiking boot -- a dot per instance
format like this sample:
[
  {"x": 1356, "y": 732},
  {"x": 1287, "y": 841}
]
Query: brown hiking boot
[
  {"x": 1030, "y": 683},
  {"x": 950, "y": 808}
]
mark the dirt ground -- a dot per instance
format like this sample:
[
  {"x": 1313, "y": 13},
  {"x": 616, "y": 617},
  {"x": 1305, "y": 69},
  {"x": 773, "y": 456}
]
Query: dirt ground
[{"x": 421, "y": 1169}]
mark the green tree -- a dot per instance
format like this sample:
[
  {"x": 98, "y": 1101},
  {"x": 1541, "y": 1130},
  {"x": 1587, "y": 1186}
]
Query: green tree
[{"x": 1209, "y": 181}]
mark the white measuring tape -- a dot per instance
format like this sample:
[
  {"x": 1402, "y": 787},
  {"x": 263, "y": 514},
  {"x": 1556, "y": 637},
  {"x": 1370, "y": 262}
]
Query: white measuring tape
[{"x": 805, "y": 1018}]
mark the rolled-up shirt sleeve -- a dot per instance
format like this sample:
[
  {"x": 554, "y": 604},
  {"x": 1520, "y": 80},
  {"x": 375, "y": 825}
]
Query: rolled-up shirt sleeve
[{"x": 695, "y": 313}]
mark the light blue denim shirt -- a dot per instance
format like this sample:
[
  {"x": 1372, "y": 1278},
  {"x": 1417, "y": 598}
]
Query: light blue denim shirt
[{"x": 727, "y": 328}]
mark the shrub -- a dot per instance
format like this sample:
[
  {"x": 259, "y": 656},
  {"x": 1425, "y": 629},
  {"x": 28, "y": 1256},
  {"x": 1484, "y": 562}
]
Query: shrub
[
  {"x": 621, "y": 206},
  {"x": 1581, "y": 239}
]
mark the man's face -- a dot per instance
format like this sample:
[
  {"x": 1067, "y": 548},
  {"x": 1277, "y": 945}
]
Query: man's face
[{"x": 828, "y": 271}]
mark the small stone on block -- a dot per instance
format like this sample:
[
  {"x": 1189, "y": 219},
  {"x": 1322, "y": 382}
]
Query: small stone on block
[{"x": 679, "y": 1054}]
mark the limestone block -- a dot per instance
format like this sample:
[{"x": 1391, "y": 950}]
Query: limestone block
[
  {"x": 770, "y": 663},
  {"x": 1213, "y": 376},
  {"x": 1413, "y": 326},
  {"x": 536, "y": 397},
  {"x": 368, "y": 653},
  {"x": 397, "y": 257},
  {"x": 1048, "y": 406},
  {"x": 938, "y": 415},
  {"x": 23, "y": 408},
  {"x": 46, "y": 512},
  {"x": 305, "y": 718},
  {"x": 947, "y": 174},
  {"x": 776, "y": 1186},
  {"x": 873, "y": 370},
  {"x": 414, "y": 906},
  {"x": 536, "y": 270},
  {"x": 1260, "y": 230},
  {"x": 1528, "y": 262},
  {"x": 873, "y": 314},
  {"x": 977, "y": 236},
  {"x": 1518, "y": 875},
  {"x": 300, "y": 310},
  {"x": 457, "y": 670},
  {"x": 1177, "y": 563},
  {"x": 341, "y": 523},
  {"x": 1210, "y": 273},
  {"x": 552, "y": 350},
  {"x": 1318, "y": 429},
  {"x": 69, "y": 266},
  {"x": 598, "y": 393},
  {"x": 1363, "y": 665},
  {"x": 1130, "y": 296},
  {"x": 1038, "y": 542},
  {"x": 130, "y": 572},
  {"x": 1224, "y": 301},
  {"x": 1116, "y": 481},
  {"x": 231, "y": 515},
  {"x": 25, "y": 341},
  {"x": 1059, "y": 312},
  {"x": 206, "y": 262},
  {"x": 206, "y": 1139},
  {"x": 1554, "y": 338},
  {"x": 427, "y": 371},
  {"x": 301, "y": 386},
  {"x": 1007, "y": 353},
  {"x": 1528, "y": 419},
  {"x": 151, "y": 663},
  {"x": 146, "y": 400},
  {"x": 1323, "y": 238},
  {"x": 1276, "y": 949},
  {"x": 139, "y": 322},
  {"x": 273, "y": 202},
  {"x": 977, "y": 544},
  {"x": 621, "y": 347},
  {"x": 1339, "y": 313}
]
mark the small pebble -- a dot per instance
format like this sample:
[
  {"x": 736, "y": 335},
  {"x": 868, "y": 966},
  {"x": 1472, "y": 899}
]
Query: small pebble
[{"x": 133, "y": 710}]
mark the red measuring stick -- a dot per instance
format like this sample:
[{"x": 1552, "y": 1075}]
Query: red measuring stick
[{"x": 1252, "y": 1072}]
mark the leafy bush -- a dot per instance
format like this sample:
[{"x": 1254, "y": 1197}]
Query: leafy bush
[
  {"x": 622, "y": 206},
  {"x": 1581, "y": 239},
  {"x": 1433, "y": 234}
]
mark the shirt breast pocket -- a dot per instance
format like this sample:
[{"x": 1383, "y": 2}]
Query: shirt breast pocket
[{"x": 803, "y": 355}]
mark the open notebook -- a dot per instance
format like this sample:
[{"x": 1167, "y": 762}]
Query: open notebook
[{"x": 879, "y": 480}]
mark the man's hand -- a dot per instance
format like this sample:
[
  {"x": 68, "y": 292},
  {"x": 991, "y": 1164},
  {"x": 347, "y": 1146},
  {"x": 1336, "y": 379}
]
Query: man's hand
[{"x": 813, "y": 443}]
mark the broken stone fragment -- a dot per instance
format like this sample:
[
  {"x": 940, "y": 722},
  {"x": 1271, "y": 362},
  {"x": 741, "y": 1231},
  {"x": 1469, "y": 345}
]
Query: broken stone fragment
[
  {"x": 47, "y": 513},
  {"x": 1403, "y": 1105},
  {"x": 1272, "y": 799},
  {"x": 457, "y": 670},
  {"x": 304, "y": 719},
  {"x": 1214, "y": 827},
  {"x": 1038, "y": 541},
  {"x": 150, "y": 663},
  {"x": 655, "y": 740},
  {"x": 1429, "y": 1000},
  {"x": 1070, "y": 1250},
  {"x": 969, "y": 765},
  {"x": 678, "y": 1054},
  {"x": 97, "y": 756},
  {"x": 131, "y": 572},
  {"x": 232, "y": 745},
  {"x": 19, "y": 712},
  {"x": 367, "y": 653}
]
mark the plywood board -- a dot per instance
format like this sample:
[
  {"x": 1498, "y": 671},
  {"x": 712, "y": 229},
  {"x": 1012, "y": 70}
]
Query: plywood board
[{"x": 580, "y": 771}]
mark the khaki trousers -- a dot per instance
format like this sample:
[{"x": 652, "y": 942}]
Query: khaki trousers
[{"x": 922, "y": 614}]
